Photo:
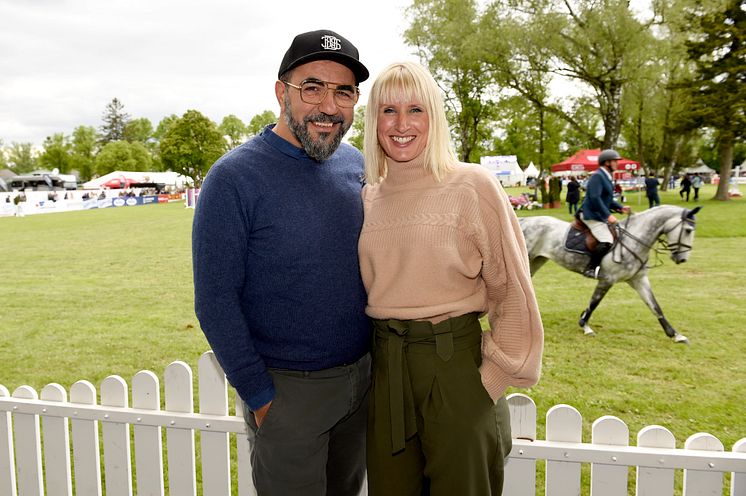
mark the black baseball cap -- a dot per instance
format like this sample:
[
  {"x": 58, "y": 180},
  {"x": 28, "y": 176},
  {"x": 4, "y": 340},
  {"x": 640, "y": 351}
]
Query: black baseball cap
[{"x": 323, "y": 45}]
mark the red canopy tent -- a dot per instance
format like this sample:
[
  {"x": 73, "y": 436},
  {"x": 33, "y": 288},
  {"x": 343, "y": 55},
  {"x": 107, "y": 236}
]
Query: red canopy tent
[
  {"x": 586, "y": 161},
  {"x": 123, "y": 181}
]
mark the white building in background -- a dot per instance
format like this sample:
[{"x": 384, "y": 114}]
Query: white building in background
[{"x": 505, "y": 168}]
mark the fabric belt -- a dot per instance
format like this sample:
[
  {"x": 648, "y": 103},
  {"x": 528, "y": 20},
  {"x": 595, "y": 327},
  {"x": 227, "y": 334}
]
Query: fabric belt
[{"x": 417, "y": 336}]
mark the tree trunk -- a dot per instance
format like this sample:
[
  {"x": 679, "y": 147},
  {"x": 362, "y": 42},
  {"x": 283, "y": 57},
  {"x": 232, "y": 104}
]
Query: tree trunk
[
  {"x": 672, "y": 162},
  {"x": 541, "y": 138},
  {"x": 612, "y": 119},
  {"x": 640, "y": 155},
  {"x": 665, "y": 146},
  {"x": 725, "y": 155}
]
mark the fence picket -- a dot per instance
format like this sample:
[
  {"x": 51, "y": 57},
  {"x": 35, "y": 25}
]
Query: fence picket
[
  {"x": 655, "y": 481},
  {"x": 180, "y": 442},
  {"x": 146, "y": 395},
  {"x": 738, "y": 481},
  {"x": 7, "y": 462},
  {"x": 520, "y": 474},
  {"x": 116, "y": 440},
  {"x": 703, "y": 458},
  {"x": 213, "y": 399},
  {"x": 564, "y": 424},
  {"x": 85, "y": 443},
  {"x": 28, "y": 451},
  {"x": 609, "y": 479},
  {"x": 56, "y": 445},
  {"x": 243, "y": 458},
  {"x": 702, "y": 482}
]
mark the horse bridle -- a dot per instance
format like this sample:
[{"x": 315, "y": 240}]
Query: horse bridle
[{"x": 673, "y": 248}]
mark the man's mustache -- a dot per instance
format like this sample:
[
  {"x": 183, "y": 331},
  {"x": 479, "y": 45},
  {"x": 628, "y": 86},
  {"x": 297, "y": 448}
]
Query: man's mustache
[{"x": 334, "y": 119}]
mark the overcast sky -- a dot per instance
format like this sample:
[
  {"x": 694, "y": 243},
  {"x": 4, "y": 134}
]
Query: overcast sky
[{"x": 62, "y": 61}]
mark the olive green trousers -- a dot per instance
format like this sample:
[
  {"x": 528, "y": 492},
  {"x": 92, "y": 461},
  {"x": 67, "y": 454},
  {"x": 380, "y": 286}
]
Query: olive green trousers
[{"x": 432, "y": 427}]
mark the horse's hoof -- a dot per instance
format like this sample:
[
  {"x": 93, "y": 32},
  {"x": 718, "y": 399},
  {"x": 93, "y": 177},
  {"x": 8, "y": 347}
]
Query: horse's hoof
[
  {"x": 587, "y": 331},
  {"x": 680, "y": 338}
]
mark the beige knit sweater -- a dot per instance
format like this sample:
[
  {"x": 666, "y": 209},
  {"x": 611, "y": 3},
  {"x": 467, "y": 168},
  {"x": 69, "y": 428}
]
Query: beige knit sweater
[{"x": 432, "y": 250}]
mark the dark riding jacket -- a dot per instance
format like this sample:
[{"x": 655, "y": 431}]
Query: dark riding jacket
[{"x": 599, "y": 197}]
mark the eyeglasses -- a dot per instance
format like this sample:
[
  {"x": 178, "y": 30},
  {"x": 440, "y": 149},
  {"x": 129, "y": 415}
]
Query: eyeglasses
[{"x": 314, "y": 91}]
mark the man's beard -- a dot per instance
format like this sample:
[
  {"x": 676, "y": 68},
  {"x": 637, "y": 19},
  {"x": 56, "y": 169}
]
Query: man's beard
[{"x": 326, "y": 144}]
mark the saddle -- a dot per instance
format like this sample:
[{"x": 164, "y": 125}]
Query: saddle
[{"x": 580, "y": 239}]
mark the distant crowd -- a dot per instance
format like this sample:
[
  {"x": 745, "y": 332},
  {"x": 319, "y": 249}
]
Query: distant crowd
[{"x": 689, "y": 186}]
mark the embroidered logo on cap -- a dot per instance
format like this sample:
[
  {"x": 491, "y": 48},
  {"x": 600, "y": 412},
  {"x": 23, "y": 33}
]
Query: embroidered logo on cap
[{"x": 329, "y": 42}]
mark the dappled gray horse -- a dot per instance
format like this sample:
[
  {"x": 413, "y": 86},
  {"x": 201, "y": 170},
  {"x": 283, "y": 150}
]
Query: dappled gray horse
[{"x": 671, "y": 226}]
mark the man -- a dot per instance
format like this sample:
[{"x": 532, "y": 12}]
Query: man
[
  {"x": 597, "y": 206},
  {"x": 277, "y": 284},
  {"x": 651, "y": 190},
  {"x": 18, "y": 201},
  {"x": 686, "y": 185},
  {"x": 696, "y": 184}
]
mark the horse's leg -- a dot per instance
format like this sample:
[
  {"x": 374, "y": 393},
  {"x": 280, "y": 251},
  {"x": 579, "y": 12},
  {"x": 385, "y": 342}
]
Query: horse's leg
[
  {"x": 602, "y": 288},
  {"x": 641, "y": 284},
  {"x": 537, "y": 263}
]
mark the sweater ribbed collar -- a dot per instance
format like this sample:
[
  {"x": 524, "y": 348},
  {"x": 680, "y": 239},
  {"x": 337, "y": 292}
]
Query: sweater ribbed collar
[
  {"x": 401, "y": 174},
  {"x": 283, "y": 145}
]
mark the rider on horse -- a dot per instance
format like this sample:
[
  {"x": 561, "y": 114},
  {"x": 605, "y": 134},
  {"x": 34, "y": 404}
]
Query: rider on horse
[{"x": 597, "y": 207}]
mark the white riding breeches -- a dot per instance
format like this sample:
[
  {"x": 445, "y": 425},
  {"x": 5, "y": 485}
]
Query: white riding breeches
[{"x": 601, "y": 230}]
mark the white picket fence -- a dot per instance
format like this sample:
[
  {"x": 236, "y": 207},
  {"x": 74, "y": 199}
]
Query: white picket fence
[{"x": 28, "y": 470}]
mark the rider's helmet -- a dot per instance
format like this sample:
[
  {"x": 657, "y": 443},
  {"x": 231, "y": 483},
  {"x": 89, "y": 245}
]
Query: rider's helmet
[{"x": 607, "y": 155}]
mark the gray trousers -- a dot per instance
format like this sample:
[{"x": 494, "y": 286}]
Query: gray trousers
[{"x": 312, "y": 440}]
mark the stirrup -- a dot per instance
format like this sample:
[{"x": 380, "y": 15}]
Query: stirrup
[{"x": 592, "y": 272}]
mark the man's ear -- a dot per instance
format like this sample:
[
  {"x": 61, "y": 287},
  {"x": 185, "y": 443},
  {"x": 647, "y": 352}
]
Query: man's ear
[{"x": 280, "y": 90}]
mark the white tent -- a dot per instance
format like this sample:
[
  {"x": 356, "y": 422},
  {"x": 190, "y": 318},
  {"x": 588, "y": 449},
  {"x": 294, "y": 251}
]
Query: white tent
[
  {"x": 505, "y": 168},
  {"x": 531, "y": 170},
  {"x": 700, "y": 168}
]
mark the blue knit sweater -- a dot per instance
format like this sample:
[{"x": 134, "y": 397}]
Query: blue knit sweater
[{"x": 274, "y": 250}]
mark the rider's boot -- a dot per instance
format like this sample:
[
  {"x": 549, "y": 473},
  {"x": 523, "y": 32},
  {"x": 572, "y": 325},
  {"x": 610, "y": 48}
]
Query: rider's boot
[{"x": 594, "y": 265}]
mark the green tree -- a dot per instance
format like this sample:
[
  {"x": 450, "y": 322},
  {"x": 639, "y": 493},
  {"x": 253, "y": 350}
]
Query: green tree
[
  {"x": 163, "y": 126},
  {"x": 518, "y": 129},
  {"x": 138, "y": 130},
  {"x": 598, "y": 44},
  {"x": 448, "y": 37},
  {"x": 3, "y": 160},
  {"x": 260, "y": 121},
  {"x": 158, "y": 135},
  {"x": 56, "y": 154},
  {"x": 357, "y": 132},
  {"x": 84, "y": 141},
  {"x": 21, "y": 157},
  {"x": 233, "y": 129},
  {"x": 122, "y": 155},
  {"x": 115, "y": 121},
  {"x": 191, "y": 145},
  {"x": 718, "y": 91},
  {"x": 84, "y": 148},
  {"x": 516, "y": 56},
  {"x": 655, "y": 104}
]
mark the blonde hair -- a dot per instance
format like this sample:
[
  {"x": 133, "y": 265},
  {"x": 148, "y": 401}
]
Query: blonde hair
[{"x": 408, "y": 81}]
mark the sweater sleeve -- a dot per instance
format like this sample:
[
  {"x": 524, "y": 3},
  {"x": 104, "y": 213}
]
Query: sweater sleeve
[
  {"x": 512, "y": 348},
  {"x": 219, "y": 254}
]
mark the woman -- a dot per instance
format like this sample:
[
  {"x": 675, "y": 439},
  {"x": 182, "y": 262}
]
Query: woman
[
  {"x": 573, "y": 195},
  {"x": 440, "y": 246}
]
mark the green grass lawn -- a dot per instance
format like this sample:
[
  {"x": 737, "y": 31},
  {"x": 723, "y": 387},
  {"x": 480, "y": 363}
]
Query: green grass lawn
[{"x": 93, "y": 293}]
